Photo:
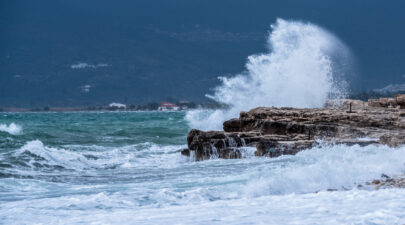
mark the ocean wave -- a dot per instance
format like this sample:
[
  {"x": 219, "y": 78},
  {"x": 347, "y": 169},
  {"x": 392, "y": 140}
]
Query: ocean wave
[
  {"x": 36, "y": 155},
  {"x": 158, "y": 179},
  {"x": 12, "y": 128},
  {"x": 338, "y": 167},
  {"x": 304, "y": 67},
  {"x": 364, "y": 207},
  {"x": 318, "y": 169}
]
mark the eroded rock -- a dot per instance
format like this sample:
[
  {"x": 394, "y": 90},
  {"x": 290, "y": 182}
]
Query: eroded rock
[
  {"x": 279, "y": 131},
  {"x": 388, "y": 182}
]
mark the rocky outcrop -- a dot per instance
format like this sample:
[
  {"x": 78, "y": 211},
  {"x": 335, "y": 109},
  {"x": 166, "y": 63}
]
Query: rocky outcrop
[
  {"x": 388, "y": 182},
  {"x": 396, "y": 102},
  {"x": 279, "y": 131}
]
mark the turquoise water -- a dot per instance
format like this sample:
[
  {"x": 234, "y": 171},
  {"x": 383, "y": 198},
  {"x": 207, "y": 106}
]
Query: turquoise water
[
  {"x": 99, "y": 128},
  {"x": 126, "y": 167}
]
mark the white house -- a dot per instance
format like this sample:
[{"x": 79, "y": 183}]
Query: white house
[
  {"x": 167, "y": 106},
  {"x": 117, "y": 105}
]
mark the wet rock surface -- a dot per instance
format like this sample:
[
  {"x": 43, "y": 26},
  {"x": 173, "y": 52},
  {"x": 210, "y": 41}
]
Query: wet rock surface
[
  {"x": 386, "y": 181},
  {"x": 279, "y": 131}
]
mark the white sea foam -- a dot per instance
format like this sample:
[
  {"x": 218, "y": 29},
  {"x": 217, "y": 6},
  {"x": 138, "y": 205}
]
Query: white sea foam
[
  {"x": 332, "y": 166},
  {"x": 349, "y": 207},
  {"x": 329, "y": 167},
  {"x": 254, "y": 190},
  {"x": 54, "y": 156},
  {"x": 303, "y": 68},
  {"x": 99, "y": 157},
  {"x": 12, "y": 128}
]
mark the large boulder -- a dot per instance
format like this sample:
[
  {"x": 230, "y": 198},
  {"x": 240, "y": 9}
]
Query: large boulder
[{"x": 279, "y": 131}]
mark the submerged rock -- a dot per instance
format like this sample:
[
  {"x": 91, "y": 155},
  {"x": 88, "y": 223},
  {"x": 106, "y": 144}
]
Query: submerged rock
[
  {"x": 388, "y": 182},
  {"x": 280, "y": 131}
]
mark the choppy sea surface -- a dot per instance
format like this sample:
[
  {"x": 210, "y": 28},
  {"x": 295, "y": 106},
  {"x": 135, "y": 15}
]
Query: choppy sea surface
[{"x": 126, "y": 168}]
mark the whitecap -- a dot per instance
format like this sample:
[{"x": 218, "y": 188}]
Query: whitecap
[
  {"x": 78, "y": 157},
  {"x": 12, "y": 128}
]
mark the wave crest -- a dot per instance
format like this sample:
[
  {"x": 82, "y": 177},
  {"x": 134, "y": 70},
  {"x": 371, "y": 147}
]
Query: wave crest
[
  {"x": 303, "y": 68},
  {"x": 12, "y": 128},
  {"x": 34, "y": 154}
]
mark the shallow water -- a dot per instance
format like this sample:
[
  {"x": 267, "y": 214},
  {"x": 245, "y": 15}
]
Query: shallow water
[{"x": 125, "y": 167}]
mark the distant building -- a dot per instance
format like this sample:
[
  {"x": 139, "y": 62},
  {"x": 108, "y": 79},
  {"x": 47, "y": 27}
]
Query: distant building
[
  {"x": 167, "y": 106},
  {"x": 184, "y": 105},
  {"x": 117, "y": 106}
]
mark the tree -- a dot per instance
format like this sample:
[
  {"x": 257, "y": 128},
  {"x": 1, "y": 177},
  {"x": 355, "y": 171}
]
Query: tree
[{"x": 152, "y": 106}]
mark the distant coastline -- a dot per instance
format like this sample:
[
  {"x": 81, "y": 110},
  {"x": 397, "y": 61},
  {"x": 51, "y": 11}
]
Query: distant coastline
[
  {"x": 152, "y": 106},
  {"x": 183, "y": 105}
]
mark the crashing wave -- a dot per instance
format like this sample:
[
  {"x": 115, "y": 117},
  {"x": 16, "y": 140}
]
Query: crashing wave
[
  {"x": 37, "y": 155},
  {"x": 304, "y": 67}
]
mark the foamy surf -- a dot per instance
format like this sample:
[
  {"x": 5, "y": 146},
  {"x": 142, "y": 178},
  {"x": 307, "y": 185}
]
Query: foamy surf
[
  {"x": 288, "y": 189},
  {"x": 111, "y": 168},
  {"x": 126, "y": 168},
  {"x": 35, "y": 155},
  {"x": 350, "y": 207},
  {"x": 304, "y": 67},
  {"x": 12, "y": 128}
]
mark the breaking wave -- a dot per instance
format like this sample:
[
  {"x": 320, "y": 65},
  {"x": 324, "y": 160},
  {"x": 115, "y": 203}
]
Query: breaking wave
[
  {"x": 304, "y": 67},
  {"x": 213, "y": 185},
  {"x": 339, "y": 167},
  {"x": 12, "y": 128},
  {"x": 34, "y": 155}
]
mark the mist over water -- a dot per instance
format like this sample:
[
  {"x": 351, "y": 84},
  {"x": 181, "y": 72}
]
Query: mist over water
[{"x": 304, "y": 66}]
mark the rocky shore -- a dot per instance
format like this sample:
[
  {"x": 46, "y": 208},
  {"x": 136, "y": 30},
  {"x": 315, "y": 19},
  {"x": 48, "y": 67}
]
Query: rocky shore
[
  {"x": 279, "y": 131},
  {"x": 386, "y": 181}
]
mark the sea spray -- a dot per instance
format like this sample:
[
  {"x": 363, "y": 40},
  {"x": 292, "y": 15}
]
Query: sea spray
[{"x": 303, "y": 68}]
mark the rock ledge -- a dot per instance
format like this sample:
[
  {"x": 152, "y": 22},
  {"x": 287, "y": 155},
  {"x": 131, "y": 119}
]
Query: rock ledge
[{"x": 279, "y": 131}]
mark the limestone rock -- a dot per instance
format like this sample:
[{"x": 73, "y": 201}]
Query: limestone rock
[
  {"x": 400, "y": 100},
  {"x": 279, "y": 131}
]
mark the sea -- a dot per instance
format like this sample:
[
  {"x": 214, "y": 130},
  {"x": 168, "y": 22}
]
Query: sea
[{"x": 126, "y": 168}]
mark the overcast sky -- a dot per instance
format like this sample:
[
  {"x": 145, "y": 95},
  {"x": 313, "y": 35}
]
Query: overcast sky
[{"x": 93, "y": 52}]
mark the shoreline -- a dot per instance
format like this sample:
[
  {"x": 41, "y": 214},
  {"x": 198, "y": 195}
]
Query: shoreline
[
  {"x": 24, "y": 110},
  {"x": 286, "y": 130}
]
